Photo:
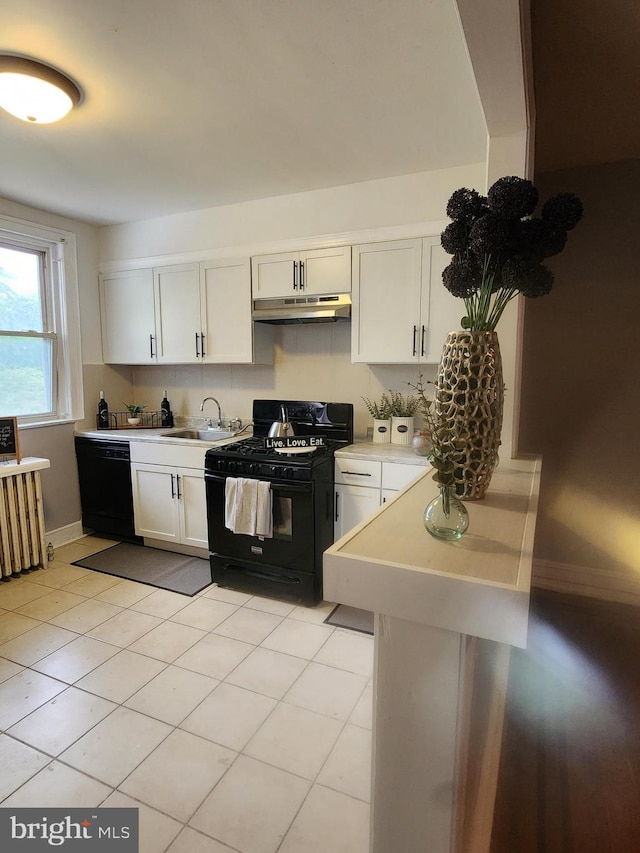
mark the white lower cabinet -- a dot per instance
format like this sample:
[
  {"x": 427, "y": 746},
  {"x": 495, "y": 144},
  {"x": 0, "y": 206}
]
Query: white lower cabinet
[
  {"x": 362, "y": 485},
  {"x": 169, "y": 504},
  {"x": 352, "y": 505},
  {"x": 169, "y": 501}
]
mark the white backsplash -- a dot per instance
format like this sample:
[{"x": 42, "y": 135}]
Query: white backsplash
[{"x": 312, "y": 362}]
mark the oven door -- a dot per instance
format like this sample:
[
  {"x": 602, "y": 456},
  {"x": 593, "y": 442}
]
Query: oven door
[{"x": 292, "y": 543}]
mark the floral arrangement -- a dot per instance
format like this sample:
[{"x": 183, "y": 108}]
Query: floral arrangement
[
  {"x": 498, "y": 247},
  {"x": 379, "y": 411},
  {"x": 448, "y": 443}
]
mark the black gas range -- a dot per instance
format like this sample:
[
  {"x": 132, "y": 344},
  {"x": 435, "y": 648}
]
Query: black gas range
[{"x": 287, "y": 564}]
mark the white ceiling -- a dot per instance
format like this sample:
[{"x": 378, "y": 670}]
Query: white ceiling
[{"x": 198, "y": 103}]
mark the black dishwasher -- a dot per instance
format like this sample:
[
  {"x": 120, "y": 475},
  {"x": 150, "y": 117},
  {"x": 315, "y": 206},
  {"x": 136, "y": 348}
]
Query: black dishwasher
[{"x": 104, "y": 470}]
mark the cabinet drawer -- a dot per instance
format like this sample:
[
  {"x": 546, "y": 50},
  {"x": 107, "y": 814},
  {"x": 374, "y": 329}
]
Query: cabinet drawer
[
  {"x": 395, "y": 475},
  {"x": 358, "y": 472},
  {"x": 168, "y": 454}
]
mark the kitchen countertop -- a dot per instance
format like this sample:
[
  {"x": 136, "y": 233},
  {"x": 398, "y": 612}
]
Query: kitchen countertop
[
  {"x": 382, "y": 452},
  {"x": 162, "y": 435},
  {"x": 478, "y": 585}
]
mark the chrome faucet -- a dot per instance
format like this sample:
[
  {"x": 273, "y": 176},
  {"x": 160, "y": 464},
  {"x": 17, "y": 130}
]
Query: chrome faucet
[{"x": 219, "y": 424}]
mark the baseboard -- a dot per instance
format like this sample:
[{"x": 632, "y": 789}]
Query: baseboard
[
  {"x": 587, "y": 581},
  {"x": 64, "y": 535}
]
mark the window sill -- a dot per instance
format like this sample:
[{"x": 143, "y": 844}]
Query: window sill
[{"x": 51, "y": 423}]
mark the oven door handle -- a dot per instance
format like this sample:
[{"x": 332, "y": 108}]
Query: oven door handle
[{"x": 278, "y": 486}]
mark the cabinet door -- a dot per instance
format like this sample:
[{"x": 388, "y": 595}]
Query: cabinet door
[
  {"x": 353, "y": 505},
  {"x": 225, "y": 307},
  {"x": 441, "y": 312},
  {"x": 274, "y": 275},
  {"x": 127, "y": 316},
  {"x": 177, "y": 301},
  {"x": 193, "y": 507},
  {"x": 386, "y": 302},
  {"x": 155, "y": 507},
  {"x": 325, "y": 271},
  {"x": 397, "y": 475}
]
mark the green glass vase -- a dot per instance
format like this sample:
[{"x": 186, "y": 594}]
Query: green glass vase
[{"x": 445, "y": 516}]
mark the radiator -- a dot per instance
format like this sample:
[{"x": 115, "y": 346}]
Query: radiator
[{"x": 22, "y": 540}]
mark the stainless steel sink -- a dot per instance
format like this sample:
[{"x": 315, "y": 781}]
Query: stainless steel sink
[{"x": 212, "y": 434}]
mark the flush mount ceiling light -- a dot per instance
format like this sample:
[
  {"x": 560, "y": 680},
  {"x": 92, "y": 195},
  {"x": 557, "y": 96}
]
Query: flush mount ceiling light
[{"x": 35, "y": 92}]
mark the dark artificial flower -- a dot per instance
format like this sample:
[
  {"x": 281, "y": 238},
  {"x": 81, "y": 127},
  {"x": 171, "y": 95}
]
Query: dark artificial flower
[
  {"x": 454, "y": 238},
  {"x": 498, "y": 246},
  {"x": 461, "y": 278},
  {"x": 541, "y": 238},
  {"x": 538, "y": 282},
  {"x": 512, "y": 197},
  {"x": 517, "y": 269},
  {"x": 564, "y": 210},
  {"x": 489, "y": 235},
  {"x": 466, "y": 204}
]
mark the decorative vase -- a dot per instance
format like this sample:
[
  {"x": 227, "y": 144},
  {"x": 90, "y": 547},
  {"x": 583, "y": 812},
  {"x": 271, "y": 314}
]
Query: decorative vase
[
  {"x": 133, "y": 421},
  {"x": 401, "y": 430},
  {"x": 445, "y": 516},
  {"x": 470, "y": 395},
  {"x": 421, "y": 442},
  {"x": 381, "y": 431}
]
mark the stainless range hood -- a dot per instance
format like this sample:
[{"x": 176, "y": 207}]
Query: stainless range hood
[{"x": 302, "y": 309}]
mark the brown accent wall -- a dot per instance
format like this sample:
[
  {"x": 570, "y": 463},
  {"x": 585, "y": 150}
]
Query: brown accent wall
[{"x": 581, "y": 381}]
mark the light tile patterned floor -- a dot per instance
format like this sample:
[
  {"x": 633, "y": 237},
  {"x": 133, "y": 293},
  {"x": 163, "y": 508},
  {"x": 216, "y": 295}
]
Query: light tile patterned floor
[{"x": 234, "y": 723}]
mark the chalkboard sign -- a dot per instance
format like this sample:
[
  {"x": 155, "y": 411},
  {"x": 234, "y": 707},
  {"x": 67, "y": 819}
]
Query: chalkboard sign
[{"x": 9, "y": 440}]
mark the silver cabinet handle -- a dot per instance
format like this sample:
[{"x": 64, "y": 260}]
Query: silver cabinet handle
[
  {"x": 173, "y": 488},
  {"x": 202, "y": 352},
  {"x": 301, "y": 275},
  {"x": 295, "y": 275},
  {"x": 197, "y": 345},
  {"x": 179, "y": 496},
  {"x": 151, "y": 345},
  {"x": 422, "y": 340},
  {"x": 415, "y": 335}
]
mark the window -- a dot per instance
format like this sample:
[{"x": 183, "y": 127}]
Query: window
[{"x": 39, "y": 325}]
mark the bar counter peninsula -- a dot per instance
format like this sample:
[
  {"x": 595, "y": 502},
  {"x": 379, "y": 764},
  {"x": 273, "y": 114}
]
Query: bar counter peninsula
[{"x": 446, "y": 617}]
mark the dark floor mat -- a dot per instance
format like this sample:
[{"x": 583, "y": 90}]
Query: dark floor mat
[
  {"x": 163, "y": 569},
  {"x": 344, "y": 616}
]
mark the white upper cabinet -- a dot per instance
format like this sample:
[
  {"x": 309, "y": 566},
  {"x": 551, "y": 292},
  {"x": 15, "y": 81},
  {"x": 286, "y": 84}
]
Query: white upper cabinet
[
  {"x": 127, "y": 317},
  {"x": 182, "y": 314},
  {"x": 309, "y": 273},
  {"x": 228, "y": 333},
  {"x": 401, "y": 310},
  {"x": 441, "y": 312},
  {"x": 177, "y": 303}
]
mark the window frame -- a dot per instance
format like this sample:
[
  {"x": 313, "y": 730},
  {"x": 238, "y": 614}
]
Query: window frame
[{"x": 61, "y": 314}]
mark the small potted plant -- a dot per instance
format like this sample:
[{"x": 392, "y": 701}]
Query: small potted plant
[
  {"x": 134, "y": 413},
  {"x": 403, "y": 410},
  {"x": 381, "y": 414}
]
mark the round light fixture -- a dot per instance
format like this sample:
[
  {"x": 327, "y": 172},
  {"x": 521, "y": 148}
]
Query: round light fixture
[{"x": 35, "y": 92}]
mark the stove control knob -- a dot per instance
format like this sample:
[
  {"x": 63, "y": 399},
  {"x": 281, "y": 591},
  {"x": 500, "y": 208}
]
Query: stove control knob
[
  {"x": 222, "y": 465},
  {"x": 275, "y": 470},
  {"x": 232, "y": 466},
  {"x": 288, "y": 472},
  {"x": 254, "y": 468}
]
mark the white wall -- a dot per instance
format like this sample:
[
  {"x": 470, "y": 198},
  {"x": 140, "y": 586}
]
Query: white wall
[
  {"x": 61, "y": 496},
  {"x": 399, "y": 201}
]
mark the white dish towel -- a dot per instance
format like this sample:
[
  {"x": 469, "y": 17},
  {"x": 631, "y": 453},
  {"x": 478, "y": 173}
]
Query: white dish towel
[{"x": 248, "y": 507}]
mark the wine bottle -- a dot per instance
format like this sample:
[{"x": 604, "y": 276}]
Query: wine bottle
[
  {"x": 166, "y": 416},
  {"x": 103, "y": 412}
]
